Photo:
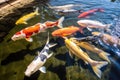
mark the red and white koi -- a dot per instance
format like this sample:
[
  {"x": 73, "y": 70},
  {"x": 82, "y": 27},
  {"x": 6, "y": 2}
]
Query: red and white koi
[{"x": 26, "y": 33}]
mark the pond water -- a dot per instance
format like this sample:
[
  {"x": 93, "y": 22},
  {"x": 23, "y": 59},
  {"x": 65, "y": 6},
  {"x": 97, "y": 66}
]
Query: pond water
[{"x": 15, "y": 56}]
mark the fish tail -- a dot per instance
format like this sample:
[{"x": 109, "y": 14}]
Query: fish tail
[
  {"x": 49, "y": 5},
  {"x": 60, "y": 22},
  {"x": 107, "y": 27},
  {"x": 52, "y": 45},
  {"x": 37, "y": 11},
  {"x": 96, "y": 65},
  {"x": 104, "y": 55},
  {"x": 100, "y": 9}
]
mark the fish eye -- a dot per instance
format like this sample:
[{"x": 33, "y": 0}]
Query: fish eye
[
  {"x": 36, "y": 58},
  {"x": 16, "y": 36}
]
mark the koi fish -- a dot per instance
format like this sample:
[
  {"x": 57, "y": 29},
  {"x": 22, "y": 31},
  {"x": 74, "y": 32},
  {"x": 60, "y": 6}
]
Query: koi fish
[
  {"x": 93, "y": 24},
  {"x": 91, "y": 48},
  {"x": 65, "y": 8},
  {"x": 115, "y": 50},
  {"x": 108, "y": 39},
  {"x": 66, "y": 31},
  {"x": 39, "y": 60},
  {"x": 86, "y": 13},
  {"x": 74, "y": 49},
  {"x": 26, "y": 33},
  {"x": 25, "y": 18}
]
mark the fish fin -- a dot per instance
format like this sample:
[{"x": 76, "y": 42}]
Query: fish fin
[
  {"x": 81, "y": 30},
  {"x": 104, "y": 55},
  {"x": 38, "y": 53},
  {"x": 50, "y": 55},
  {"x": 101, "y": 9},
  {"x": 86, "y": 62},
  {"x": 49, "y": 5},
  {"x": 36, "y": 11},
  {"x": 96, "y": 67},
  {"x": 25, "y": 23},
  {"x": 43, "y": 69},
  {"x": 52, "y": 44},
  {"x": 60, "y": 22},
  {"x": 47, "y": 42},
  {"x": 29, "y": 39},
  {"x": 107, "y": 27},
  {"x": 70, "y": 53},
  {"x": 48, "y": 39},
  {"x": 89, "y": 29},
  {"x": 115, "y": 45}
]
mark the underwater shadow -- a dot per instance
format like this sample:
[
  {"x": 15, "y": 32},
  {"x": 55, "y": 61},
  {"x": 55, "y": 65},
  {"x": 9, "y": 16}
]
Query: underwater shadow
[
  {"x": 20, "y": 55},
  {"x": 61, "y": 57},
  {"x": 115, "y": 69},
  {"x": 16, "y": 56},
  {"x": 33, "y": 76},
  {"x": 59, "y": 70}
]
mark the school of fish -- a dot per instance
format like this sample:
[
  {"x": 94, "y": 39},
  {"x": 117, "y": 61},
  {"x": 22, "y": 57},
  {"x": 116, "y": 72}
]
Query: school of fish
[{"x": 73, "y": 44}]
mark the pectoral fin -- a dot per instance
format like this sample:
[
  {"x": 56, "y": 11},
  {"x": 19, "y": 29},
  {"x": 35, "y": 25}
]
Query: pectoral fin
[
  {"x": 89, "y": 29},
  {"x": 29, "y": 39},
  {"x": 71, "y": 54},
  {"x": 25, "y": 23},
  {"x": 115, "y": 45},
  {"x": 42, "y": 69},
  {"x": 49, "y": 55}
]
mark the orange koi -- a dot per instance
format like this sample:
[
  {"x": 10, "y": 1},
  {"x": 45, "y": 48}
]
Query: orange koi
[
  {"x": 86, "y": 13},
  {"x": 66, "y": 31}
]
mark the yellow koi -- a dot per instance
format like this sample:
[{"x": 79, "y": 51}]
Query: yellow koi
[
  {"x": 92, "y": 48},
  {"x": 25, "y": 18},
  {"x": 96, "y": 65}
]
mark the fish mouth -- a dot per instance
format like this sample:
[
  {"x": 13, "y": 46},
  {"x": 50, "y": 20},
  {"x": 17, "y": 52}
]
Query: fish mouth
[
  {"x": 13, "y": 39},
  {"x": 82, "y": 25},
  {"x": 27, "y": 74}
]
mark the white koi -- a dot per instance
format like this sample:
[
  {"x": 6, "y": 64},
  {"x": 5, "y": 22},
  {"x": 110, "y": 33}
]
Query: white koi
[
  {"x": 93, "y": 24},
  {"x": 39, "y": 61}
]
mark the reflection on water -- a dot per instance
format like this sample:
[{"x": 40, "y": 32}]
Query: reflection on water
[{"x": 16, "y": 56}]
